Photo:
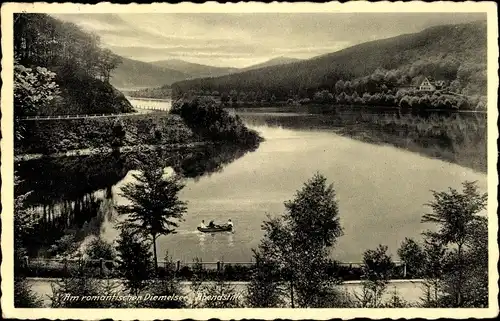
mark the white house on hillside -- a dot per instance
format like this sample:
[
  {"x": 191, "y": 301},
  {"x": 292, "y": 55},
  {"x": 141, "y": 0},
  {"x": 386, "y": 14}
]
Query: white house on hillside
[
  {"x": 426, "y": 85},
  {"x": 429, "y": 85}
]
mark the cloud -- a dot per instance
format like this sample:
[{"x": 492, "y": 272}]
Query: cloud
[{"x": 221, "y": 39}]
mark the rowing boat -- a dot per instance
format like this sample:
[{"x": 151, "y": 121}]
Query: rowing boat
[{"x": 223, "y": 228}]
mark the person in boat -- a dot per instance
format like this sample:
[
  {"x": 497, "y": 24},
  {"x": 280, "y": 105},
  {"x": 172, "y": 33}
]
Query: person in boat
[
  {"x": 202, "y": 224},
  {"x": 229, "y": 223},
  {"x": 211, "y": 224}
]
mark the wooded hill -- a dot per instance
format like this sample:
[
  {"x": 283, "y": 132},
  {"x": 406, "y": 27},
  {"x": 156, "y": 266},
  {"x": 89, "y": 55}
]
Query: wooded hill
[
  {"x": 194, "y": 70},
  {"x": 271, "y": 62},
  {"x": 133, "y": 74},
  {"x": 60, "y": 69},
  {"x": 455, "y": 53},
  {"x": 148, "y": 77}
]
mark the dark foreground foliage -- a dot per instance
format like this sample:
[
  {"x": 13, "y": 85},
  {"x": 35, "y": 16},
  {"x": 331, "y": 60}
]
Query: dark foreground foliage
[{"x": 206, "y": 117}]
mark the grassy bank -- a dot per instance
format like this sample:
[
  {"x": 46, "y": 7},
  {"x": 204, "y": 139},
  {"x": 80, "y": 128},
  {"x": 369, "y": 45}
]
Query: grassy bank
[{"x": 60, "y": 136}]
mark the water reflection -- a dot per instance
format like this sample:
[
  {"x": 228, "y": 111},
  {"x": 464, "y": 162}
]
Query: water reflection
[
  {"x": 75, "y": 195},
  {"x": 201, "y": 237},
  {"x": 55, "y": 180}
]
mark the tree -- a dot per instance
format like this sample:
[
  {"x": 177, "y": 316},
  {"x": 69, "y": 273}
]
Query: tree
[
  {"x": 377, "y": 270},
  {"x": 433, "y": 271},
  {"x": 347, "y": 87},
  {"x": 118, "y": 133},
  {"x": 155, "y": 207},
  {"x": 263, "y": 290},
  {"x": 207, "y": 118},
  {"x": 24, "y": 297},
  {"x": 221, "y": 294},
  {"x": 108, "y": 61},
  {"x": 476, "y": 261},
  {"x": 134, "y": 260},
  {"x": 167, "y": 288},
  {"x": 24, "y": 224},
  {"x": 197, "y": 284},
  {"x": 414, "y": 102},
  {"x": 67, "y": 292},
  {"x": 341, "y": 99},
  {"x": 366, "y": 98},
  {"x": 395, "y": 301},
  {"x": 34, "y": 89},
  {"x": 24, "y": 221},
  {"x": 234, "y": 96},
  {"x": 412, "y": 256},
  {"x": 298, "y": 243},
  {"x": 100, "y": 249},
  {"x": 224, "y": 98},
  {"x": 66, "y": 246},
  {"x": 339, "y": 86},
  {"x": 357, "y": 100},
  {"x": 323, "y": 96},
  {"x": 456, "y": 216}
]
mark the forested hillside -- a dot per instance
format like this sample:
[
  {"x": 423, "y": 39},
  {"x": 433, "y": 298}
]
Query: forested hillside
[
  {"x": 60, "y": 69},
  {"x": 133, "y": 74},
  {"x": 272, "y": 62},
  {"x": 192, "y": 69},
  {"x": 454, "y": 53}
]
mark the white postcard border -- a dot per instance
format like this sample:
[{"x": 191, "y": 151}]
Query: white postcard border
[{"x": 7, "y": 300}]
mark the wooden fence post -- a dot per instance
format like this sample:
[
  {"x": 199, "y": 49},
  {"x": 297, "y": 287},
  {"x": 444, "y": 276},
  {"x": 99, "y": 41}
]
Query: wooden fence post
[
  {"x": 178, "y": 265},
  {"x": 101, "y": 266},
  {"x": 218, "y": 266},
  {"x": 404, "y": 270},
  {"x": 65, "y": 263}
]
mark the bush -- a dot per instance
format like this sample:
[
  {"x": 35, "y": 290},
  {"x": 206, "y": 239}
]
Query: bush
[
  {"x": 206, "y": 117},
  {"x": 100, "y": 249},
  {"x": 62, "y": 135}
]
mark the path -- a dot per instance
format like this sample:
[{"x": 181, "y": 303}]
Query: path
[
  {"x": 153, "y": 105},
  {"x": 409, "y": 290}
]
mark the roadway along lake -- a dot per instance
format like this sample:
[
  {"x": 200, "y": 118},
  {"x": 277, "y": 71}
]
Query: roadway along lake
[{"x": 381, "y": 192}]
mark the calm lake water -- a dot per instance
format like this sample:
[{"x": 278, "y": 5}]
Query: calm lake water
[{"x": 381, "y": 190}]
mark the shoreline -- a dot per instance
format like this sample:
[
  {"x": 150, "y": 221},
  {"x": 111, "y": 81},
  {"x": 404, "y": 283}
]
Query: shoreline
[{"x": 106, "y": 149}]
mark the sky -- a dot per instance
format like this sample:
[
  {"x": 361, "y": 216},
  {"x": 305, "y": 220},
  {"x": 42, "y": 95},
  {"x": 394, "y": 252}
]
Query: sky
[{"x": 240, "y": 40}]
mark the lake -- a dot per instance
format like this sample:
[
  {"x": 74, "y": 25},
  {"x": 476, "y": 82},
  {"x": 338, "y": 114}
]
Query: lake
[{"x": 381, "y": 190}]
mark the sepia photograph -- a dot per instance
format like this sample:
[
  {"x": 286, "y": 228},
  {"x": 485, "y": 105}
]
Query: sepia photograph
[{"x": 249, "y": 160}]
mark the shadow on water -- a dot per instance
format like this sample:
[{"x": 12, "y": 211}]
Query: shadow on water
[{"x": 74, "y": 195}]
